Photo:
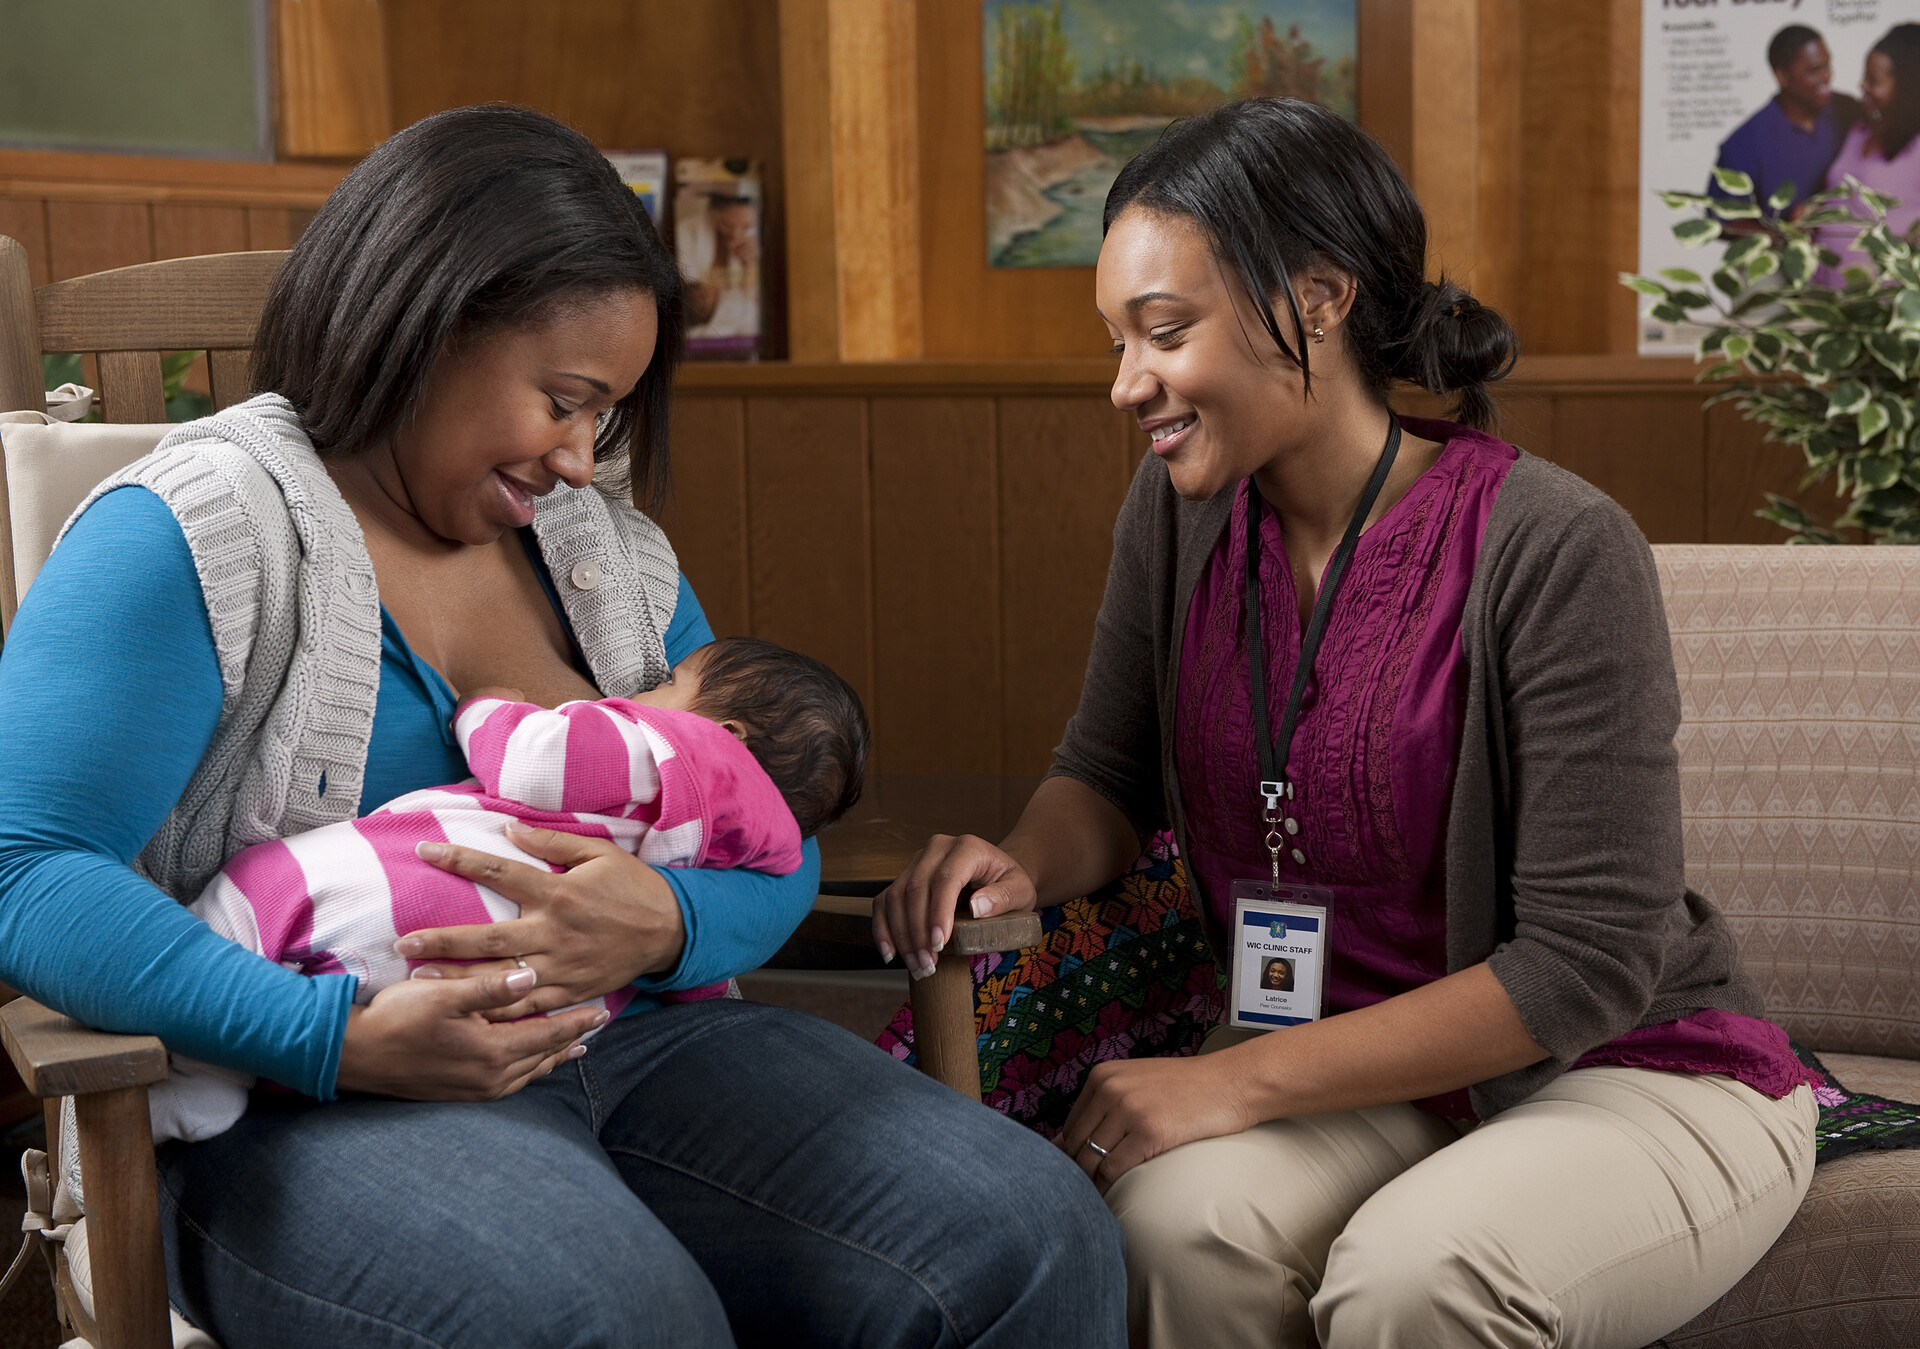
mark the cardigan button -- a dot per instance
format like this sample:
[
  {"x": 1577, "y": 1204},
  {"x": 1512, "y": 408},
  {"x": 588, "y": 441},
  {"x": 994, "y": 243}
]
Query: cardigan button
[
  {"x": 1299, "y": 858},
  {"x": 585, "y": 575}
]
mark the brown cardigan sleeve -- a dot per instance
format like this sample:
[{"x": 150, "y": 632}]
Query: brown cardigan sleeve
[
  {"x": 1112, "y": 743},
  {"x": 1588, "y": 709}
]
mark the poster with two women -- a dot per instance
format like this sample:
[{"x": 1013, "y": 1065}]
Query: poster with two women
[{"x": 1799, "y": 95}]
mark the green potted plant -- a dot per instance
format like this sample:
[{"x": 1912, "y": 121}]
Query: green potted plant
[{"x": 1832, "y": 370}]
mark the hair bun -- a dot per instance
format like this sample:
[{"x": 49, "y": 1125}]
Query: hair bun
[{"x": 1454, "y": 344}]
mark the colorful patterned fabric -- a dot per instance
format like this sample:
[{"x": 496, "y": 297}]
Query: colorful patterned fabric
[
  {"x": 1855, "y": 1121},
  {"x": 1126, "y": 973},
  {"x": 1122, "y": 973}
]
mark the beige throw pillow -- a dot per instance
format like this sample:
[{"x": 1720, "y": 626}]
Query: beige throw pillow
[{"x": 49, "y": 468}]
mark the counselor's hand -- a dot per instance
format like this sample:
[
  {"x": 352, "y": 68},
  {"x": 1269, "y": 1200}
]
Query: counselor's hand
[
  {"x": 597, "y": 925},
  {"x": 1138, "y": 1108},
  {"x": 914, "y": 915},
  {"x": 427, "y": 1041}
]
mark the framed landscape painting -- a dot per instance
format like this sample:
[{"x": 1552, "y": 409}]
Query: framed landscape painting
[{"x": 1075, "y": 88}]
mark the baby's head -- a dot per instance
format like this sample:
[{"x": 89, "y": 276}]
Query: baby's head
[{"x": 798, "y": 718}]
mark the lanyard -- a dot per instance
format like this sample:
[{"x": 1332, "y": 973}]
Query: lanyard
[{"x": 1274, "y": 783}]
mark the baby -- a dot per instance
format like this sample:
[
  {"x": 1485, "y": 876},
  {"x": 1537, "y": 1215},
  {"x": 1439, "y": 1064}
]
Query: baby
[{"x": 750, "y": 749}]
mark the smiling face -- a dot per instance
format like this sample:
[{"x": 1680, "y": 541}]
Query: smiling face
[
  {"x": 1877, "y": 85},
  {"x": 509, "y": 414},
  {"x": 1807, "y": 80},
  {"x": 1197, "y": 369}
]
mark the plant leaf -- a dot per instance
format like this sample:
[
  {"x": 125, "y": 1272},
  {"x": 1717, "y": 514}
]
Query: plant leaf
[
  {"x": 1798, "y": 262},
  {"x": 1906, "y": 311},
  {"x": 1695, "y": 232},
  {"x": 1680, "y": 276},
  {"x": 1734, "y": 181},
  {"x": 1872, "y": 421},
  {"x": 1782, "y": 197},
  {"x": 1836, "y": 352},
  {"x": 1643, "y": 285},
  {"x": 1848, "y": 397}
]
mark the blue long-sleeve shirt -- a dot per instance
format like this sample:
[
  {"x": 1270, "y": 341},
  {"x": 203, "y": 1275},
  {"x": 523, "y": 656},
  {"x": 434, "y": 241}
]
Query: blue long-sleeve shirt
[{"x": 109, "y": 697}]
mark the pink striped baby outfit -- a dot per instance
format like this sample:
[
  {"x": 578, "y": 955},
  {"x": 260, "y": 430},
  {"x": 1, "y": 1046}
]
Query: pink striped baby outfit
[{"x": 673, "y": 788}]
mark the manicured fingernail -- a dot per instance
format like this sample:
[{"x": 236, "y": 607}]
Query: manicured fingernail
[
  {"x": 410, "y": 946},
  {"x": 886, "y": 953},
  {"x": 426, "y": 972},
  {"x": 601, "y": 1017},
  {"x": 429, "y": 852},
  {"x": 981, "y": 906},
  {"x": 924, "y": 961},
  {"x": 517, "y": 826},
  {"x": 576, "y": 1051},
  {"x": 520, "y": 980},
  {"x": 939, "y": 939}
]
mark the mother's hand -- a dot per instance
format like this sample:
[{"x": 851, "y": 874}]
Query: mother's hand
[
  {"x": 914, "y": 915},
  {"x": 596, "y": 926},
  {"x": 435, "y": 1042},
  {"x": 1135, "y": 1109}
]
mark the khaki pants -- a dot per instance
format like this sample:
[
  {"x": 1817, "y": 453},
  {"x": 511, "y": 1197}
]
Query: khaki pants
[{"x": 1601, "y": 1213}]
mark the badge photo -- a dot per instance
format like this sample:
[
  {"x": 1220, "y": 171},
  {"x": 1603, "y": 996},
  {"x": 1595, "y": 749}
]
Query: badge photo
[{"x": 1279, "y": 948}]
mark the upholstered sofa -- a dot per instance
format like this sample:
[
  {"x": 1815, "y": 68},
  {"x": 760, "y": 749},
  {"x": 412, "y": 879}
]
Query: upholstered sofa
[{"x": 1800, "y": 775}]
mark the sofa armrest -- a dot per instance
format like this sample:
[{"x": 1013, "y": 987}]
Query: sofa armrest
[{"x": 57, "y": 1056}]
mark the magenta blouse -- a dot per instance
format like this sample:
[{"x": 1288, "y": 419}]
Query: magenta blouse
[{"x": 1373, "y": 755}]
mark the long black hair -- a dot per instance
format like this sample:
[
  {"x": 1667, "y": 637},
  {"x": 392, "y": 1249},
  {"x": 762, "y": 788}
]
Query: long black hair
[
  {"x": 1900, "y": 123},
  {"x": 1276, "y": 183},
  {"x": 463, "y": 223}
]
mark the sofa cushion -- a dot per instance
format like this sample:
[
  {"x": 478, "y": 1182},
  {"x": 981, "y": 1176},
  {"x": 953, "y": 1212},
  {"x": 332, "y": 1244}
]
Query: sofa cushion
[
  {"x": 1846, "y": 1272},
  {"x": 49, "y": 468},
  {"x": 1800, "y": 776}
]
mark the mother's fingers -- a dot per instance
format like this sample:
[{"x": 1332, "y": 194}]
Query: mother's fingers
[
  {"x": 516, "y": 881},
  {"x": 468, "y": 969},
  {"x": 500, "y": 942}
]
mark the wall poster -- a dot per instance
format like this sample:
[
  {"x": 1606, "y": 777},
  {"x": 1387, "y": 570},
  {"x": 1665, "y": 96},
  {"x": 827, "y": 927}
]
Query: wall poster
[
  {"x": 1789, "y": 92},
  {"x": 1075, "y": 88}
]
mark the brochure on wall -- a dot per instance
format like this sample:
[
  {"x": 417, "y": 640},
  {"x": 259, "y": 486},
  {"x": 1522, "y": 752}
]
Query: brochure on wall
[
  {"x": 1780, "y": 90},
  {"x": 645, "y": 171},
  {"x": 716, "y": 215}
]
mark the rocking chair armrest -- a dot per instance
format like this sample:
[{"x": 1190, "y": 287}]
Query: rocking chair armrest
[
  {"x": 57, "y": 1056},
  {"x": 847, "y": 920}
]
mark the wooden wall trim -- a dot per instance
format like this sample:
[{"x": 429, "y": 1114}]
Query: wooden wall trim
[
  {"x": 1623, "y": 375},
  {"x": 139, "y": 178}
]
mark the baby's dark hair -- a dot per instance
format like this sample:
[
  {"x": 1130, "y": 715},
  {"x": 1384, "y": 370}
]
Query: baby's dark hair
[{"x": 804, "y": 724}]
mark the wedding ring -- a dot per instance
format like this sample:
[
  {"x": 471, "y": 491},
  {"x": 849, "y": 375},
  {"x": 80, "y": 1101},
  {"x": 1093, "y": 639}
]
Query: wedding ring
[
  {"x": 521, "y": 962},
  {"x": 1098, "y": 1151}
]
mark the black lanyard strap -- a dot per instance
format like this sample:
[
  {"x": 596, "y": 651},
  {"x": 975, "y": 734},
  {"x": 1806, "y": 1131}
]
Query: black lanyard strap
[{"x": 1274, "y": 782}]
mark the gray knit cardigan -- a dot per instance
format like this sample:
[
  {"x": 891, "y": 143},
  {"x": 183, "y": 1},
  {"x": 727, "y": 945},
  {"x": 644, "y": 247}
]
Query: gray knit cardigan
[
  {"x": 1564, "y": 868},
  {"x": 295, "y": 612}
]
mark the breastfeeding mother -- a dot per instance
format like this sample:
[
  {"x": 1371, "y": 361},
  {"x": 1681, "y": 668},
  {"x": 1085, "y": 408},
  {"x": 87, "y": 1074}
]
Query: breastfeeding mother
[
  {"x": 1542, "y": 1108},
  {"x": 262, "y": 627}
]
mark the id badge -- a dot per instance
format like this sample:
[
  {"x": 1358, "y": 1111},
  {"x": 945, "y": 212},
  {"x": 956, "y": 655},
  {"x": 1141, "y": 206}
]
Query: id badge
[{"x": 1279, "y": 953}]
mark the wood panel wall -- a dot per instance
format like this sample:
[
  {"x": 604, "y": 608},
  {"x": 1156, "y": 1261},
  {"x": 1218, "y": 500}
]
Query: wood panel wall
[
  {"x": 80, "y": 213},
  {"x": 695, "y": 77},
  {"x": 939, "y": 533}
]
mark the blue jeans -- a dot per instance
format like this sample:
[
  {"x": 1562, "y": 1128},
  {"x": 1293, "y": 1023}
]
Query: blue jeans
[{"x": 708, "y": 1174}]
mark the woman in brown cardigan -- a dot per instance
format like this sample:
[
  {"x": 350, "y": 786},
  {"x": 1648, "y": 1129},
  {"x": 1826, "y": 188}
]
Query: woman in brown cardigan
[{"x": 1544, "y": 1109}]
